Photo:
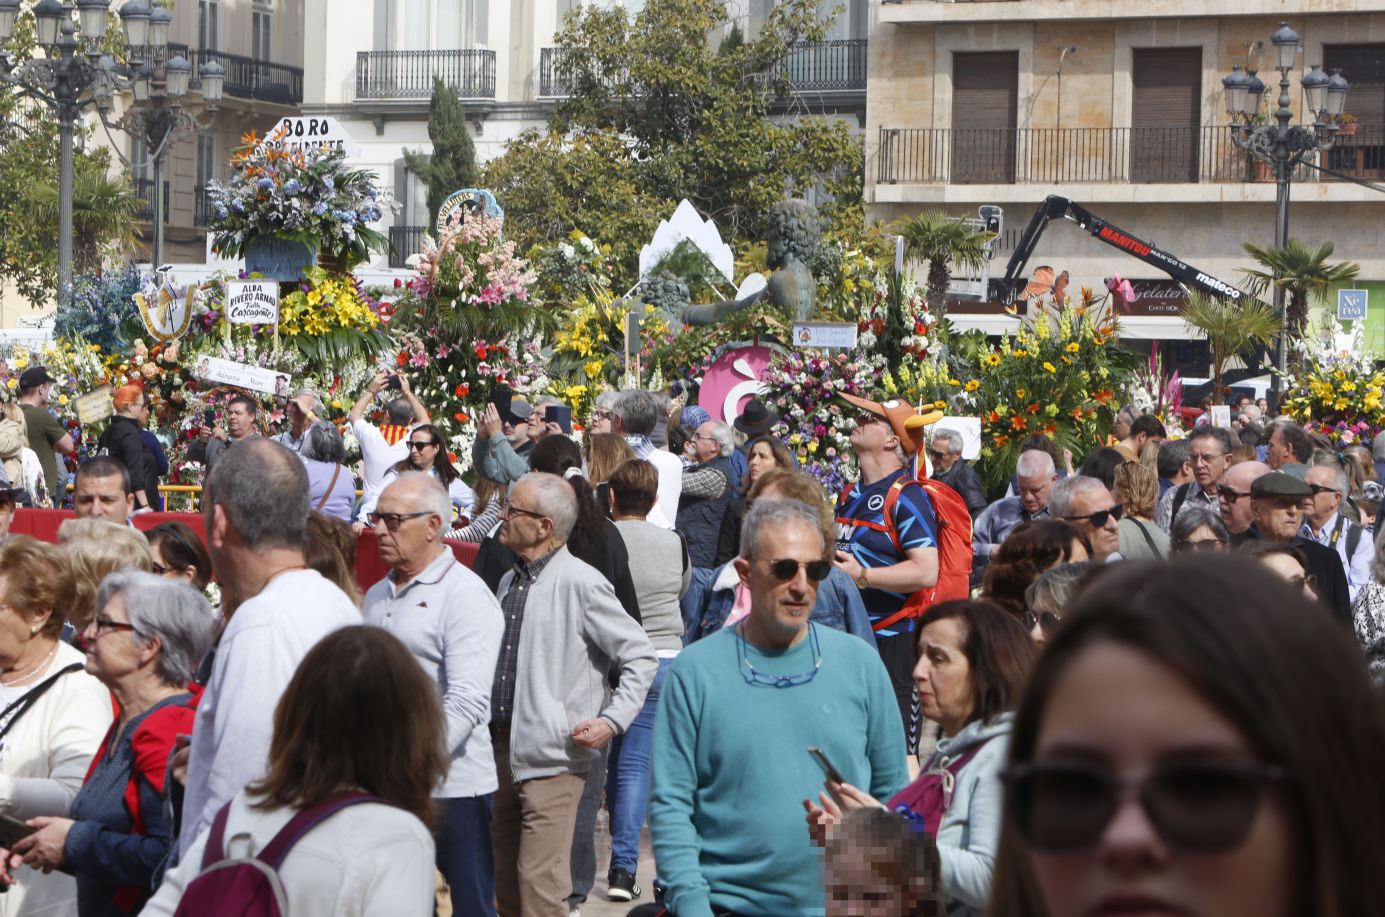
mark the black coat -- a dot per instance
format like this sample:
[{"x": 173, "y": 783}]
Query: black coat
[{"x": 122, "y": 442}]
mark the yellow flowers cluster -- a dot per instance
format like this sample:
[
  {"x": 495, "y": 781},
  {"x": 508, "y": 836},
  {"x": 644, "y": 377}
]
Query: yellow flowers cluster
[{"x": 330, "y": 302}]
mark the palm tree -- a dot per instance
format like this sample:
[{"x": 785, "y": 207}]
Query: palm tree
[
  {"x": 942, "y": 241},
  {"x": 1302, "y": 272},
  {"x": 105, "y": 214},
  {"x": 1230, "y": 328}
]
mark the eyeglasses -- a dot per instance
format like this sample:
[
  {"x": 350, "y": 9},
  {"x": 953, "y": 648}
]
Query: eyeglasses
[
  {"x": 1098, "y": 519},
  {"x": 159, "y": 569},
  {"x": 106, "y": 625},
  {"x": 1230, "y": 494},
  {"x": 1202, "y": 544},
  {"x": 420, "y": 445},
  {"x": 704, "y": 437},
  {"x": 1046, "y": 620},
  {"x": 866, "y": 419},
  {"x": 753, "y": 676},
  {"x": 936, "y": 454},
  {"x": 1196, "y": 807},
  {"x": 1205, "y": 458},
  {"x": 1301, "y": 581},
  {"x": 393, "y": 520},
  {"x": 786, "y": 569},
  {"x": 509, "y": 509},
  {"x": 603, "y": 414},
  {"x": 1322, "y": 489}
]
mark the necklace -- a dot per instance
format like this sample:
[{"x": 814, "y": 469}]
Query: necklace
[{"x": 17, "y": 679}]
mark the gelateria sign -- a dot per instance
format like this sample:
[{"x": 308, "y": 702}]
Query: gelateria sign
[{"x": 1161, "y": 298}]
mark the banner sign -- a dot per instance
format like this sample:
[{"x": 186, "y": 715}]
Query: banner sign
[
  {"x": 96, "y": 406},
  {"x": 252, "y": 302},
  {"x": 242, "y": 375},
  {"x": 825, "y": 334},
  {"x": 1351, "y": 305},
  {"x": 305, "y": 133},
  {"x": 1155, "y": 298}
]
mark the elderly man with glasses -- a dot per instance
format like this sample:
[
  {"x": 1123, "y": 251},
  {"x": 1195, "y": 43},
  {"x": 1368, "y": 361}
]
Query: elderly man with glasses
[
  {"x": 1087, "y": 503},
  {"x": 1278, "y": 499},
  {"x": 450, "y": 621},
  {"x": 706, "y": 492},
  {"x": 739, "y": 711},
  {"x": 1209, "y": 456},
  {"x": 565, "y": 633},
  {"x": 945, "y": 454},
  {"x": 1324, "y": 524}
]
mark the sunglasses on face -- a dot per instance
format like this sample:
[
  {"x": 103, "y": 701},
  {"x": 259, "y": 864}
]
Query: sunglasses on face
[
  {"x": 786, "y": 569},
  {"x": 1204, "y": 544},
  {"x": 937, "y": 454},
  {"x": 420, "y": 444},
  {"x": 1196, "y": 807},
  {"x": 1230, "y": 494},
  {"x": 1046, "y": 620},
  {"x": 393, "y": 520},
  {"x": 1206, "y": 458},
  {"x": 1098, "y": 519},
  {"x": 1321, "y": 489},
  {"x": 865, "y": 420}
]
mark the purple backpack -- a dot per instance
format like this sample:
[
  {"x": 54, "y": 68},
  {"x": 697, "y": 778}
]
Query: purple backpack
[{"x": 250, "y": 886}]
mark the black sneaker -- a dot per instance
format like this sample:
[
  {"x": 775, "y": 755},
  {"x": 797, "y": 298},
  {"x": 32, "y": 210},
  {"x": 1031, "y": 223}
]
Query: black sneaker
[{"x": 620, "y": 886}]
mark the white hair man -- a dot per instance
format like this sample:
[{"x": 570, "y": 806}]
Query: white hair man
[
  {"x": 565, "y": 633},
  {"x": 706, "y": 491},
  {"x": 722, "y": 817},
  {"x": 451, "y": 622},
  {"x": 301, "y": 410},
  {"x": 256, "y": 517},
  {"x": 1324, "y": 523},
  {"x": 1087, "y": 503},
  {"x": 1209, "y": 456},
  {"x": 945, "y": 454},
  {"x": 1036, "y": 474}
]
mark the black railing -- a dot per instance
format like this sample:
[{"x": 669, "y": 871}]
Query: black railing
[
  {"x": 1100, "y": 155},
  {"x": 246, "y": 77},
  {"x": 810, "y": 66},
  {"x": 144, "y": 190},
  {"x": 201, "y": 207},
  {"x": 825, "y": 66},
  {"x": 404, "y": 242},
  {"x": 409, "y": 74}
]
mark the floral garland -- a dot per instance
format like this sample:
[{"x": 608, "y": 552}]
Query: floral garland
[
  {"x": 805, "y": 387},
  {"x": 1337, "y": 392}
]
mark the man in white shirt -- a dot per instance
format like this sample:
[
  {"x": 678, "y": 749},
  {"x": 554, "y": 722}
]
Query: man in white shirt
[
  {"x": 634, "y": 414},
  {"x": 1324, "y": 523},
  {"x": 451, "y": 622},
  {"x": 256, "y": 516},
  {"x": 385, "y": 446}
]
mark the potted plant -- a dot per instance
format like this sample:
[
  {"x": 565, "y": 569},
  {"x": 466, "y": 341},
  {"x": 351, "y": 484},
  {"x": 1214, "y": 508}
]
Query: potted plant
[
  {"x": 1346, "y": 125},
  {"x": 286, "y": 209}
]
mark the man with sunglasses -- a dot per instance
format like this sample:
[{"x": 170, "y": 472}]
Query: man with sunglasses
[
  {"x": 738, "y": 711},
  {"x": 565, "y": 633},
  {"x": 449, "y": 620},
  {"x": 1233, "y": 497},
  {"x": 1209, "y": 455},
  {"x": 1087, "y": 503},
  {"x": 1277, "y": 500},
  {"x": 945, "y": 455},
  {"x": 1324, "y": 523},
  {"x": 383, "y": 447}
]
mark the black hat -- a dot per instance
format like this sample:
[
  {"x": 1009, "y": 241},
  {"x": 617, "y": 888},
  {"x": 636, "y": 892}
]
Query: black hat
[
  {"x": 33, "y": 377},
  {"x": 756, "y": 419},
  {"x": 1279, "y": 484}
]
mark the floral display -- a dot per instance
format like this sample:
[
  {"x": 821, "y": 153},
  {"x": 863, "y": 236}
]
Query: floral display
[
  {"x": 568, "y": 269},
  {"x": 1337, "y": 391},
  {"x": 302, "y": 195},
  {"x": 806, "y": 389},
  {"x": 914, "y": 316},
  {"x": 1153, "y": 391}
]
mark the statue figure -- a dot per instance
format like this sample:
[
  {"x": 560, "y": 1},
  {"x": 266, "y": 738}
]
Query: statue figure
[{"x": 794, "y": 231}]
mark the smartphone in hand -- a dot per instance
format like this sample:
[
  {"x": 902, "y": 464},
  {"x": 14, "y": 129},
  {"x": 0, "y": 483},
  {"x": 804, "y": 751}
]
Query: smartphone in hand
[{"x": 828, "y": 768}]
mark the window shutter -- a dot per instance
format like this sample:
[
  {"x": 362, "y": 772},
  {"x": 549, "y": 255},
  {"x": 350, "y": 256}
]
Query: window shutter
[
  {"x": 1363, "y": 66},
  {"x": 985, "y": 109},
  {"x": 1165, "y": 110}
]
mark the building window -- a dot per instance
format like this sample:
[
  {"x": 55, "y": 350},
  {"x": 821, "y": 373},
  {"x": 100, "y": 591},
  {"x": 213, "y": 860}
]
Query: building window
[
  {"x": 260, "y": 34},
  {"x": 985, "y": 106},
  {"x": 139, "y": 160},
  {"x": 206, "y": 160},
  {"x": 1165, "y": 110},
  {"x": 207, "y": 27}
]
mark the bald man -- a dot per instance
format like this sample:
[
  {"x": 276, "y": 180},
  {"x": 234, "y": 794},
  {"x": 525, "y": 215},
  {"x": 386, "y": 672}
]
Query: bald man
[{"x": 1233, "y": 497}]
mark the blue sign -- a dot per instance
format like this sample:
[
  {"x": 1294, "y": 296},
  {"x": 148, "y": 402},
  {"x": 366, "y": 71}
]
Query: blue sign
[{"x": 1351, "y": 305}]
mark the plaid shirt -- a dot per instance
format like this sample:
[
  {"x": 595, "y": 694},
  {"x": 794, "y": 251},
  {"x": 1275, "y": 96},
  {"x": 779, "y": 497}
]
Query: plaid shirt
[{"x": 507, "y": 666}]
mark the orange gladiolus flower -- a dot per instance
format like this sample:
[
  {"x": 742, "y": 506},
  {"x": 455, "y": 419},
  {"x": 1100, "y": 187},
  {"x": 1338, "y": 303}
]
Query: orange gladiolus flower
[{"x": 1034, "y": 408}]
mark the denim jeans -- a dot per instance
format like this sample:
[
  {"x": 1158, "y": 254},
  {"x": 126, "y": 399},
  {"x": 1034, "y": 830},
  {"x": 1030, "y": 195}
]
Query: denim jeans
[
  {"x": 582, "y": 859},
  {"x": 464, "y": 854},
  {"x": 627, "y": 779}
]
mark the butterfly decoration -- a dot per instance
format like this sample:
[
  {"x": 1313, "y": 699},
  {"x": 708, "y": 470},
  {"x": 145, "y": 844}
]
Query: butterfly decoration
[
  {"x": 1122, "y": 290},
  {"x": 1044, "y": 283}
]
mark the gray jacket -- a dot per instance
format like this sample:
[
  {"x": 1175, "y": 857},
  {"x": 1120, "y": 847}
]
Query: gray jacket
[
  {"x": 575, "y": 632},
  {"x": 970, "y": 829},
  {"x": 496, "y": 459}
]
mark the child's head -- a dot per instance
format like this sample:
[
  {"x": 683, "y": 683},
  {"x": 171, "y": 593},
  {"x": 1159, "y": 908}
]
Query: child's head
[{"x": 878, "y": 866}]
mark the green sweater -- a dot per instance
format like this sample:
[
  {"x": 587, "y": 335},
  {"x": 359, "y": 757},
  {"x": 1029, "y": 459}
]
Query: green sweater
[{"x": 731, "y": 769}]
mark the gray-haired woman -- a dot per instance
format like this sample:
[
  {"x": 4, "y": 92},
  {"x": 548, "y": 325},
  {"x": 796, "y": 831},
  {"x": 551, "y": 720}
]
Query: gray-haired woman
[
  {"x": 144, "y": 643},
  {"x": 331, "y": 485},
  {"x": 1198, "y": 528}
]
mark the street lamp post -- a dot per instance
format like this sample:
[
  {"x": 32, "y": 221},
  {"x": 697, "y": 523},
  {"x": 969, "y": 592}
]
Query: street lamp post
[
  {"x": 1283, "y": 146},
  {"x": 68, "y": 82}
]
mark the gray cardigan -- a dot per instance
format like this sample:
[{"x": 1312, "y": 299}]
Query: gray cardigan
[{"x": 574, "y": 633}]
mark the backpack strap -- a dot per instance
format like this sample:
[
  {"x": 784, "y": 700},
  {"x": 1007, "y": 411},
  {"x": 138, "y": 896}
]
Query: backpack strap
[
  {"x": 1145, "y": 532},
  {"x": 275, "y": 851},
  {"x": 215, "y": 851},
  {"x": 1353, "y": 541},
  {"x": 1178, "y": 497}
]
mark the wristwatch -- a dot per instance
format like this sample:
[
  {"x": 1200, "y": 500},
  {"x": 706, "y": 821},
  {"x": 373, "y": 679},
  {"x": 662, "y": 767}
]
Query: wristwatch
[{"x": 861, "y": 582}]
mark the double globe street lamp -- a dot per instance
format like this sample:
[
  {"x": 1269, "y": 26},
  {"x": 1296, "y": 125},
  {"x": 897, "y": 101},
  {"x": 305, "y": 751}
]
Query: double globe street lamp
[
  {"x": 68, "y": 82},
  {"x": 1282, "y": 146}
]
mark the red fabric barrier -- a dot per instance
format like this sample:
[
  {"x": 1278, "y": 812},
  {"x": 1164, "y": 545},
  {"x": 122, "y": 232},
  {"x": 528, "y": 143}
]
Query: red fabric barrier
[{"x": 43, "y": 524}]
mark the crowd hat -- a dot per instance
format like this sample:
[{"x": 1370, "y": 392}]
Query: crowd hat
[
  {"x": 34, "y": 376},
  {"x": 755, "y": 421},
  {"x": 903, "y": 418},
  {"x": 1279, "y": 484}
]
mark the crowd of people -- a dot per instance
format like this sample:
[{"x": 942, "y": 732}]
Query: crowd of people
[{"x": 1142, "y": 680}]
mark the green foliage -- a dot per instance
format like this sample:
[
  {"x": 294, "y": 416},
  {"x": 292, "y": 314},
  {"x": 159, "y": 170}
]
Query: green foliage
[
  {"x": 1230, "y": 328},
  {"x": 1302, "y": 272},
  {"x": 942, "y": 241},
  {"x": 105, "y": 212},
  {"x": 452, "y": 165},
  {"x": 657, "y": 112}
]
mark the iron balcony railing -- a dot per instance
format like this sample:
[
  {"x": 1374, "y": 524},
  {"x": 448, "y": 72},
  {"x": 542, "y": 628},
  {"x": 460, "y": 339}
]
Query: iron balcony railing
[
  {"x": 246, "y": 77},
  {"x": 818, "y": 66},
  {"x": 1100, "y": 155},
  {"x": 404, "y": 242},
  {"x": 144, "y": 190},
  {"x": 409, "y": 74},
  {"x": 201, "y": 207}
]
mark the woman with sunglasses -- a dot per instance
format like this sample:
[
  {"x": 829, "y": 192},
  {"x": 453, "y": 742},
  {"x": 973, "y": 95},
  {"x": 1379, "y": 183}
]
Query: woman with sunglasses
[
  {"x": 1195, "y": 740},
  {"x": 1198, "y": 528},
  {"x": 179, "y": 554},
  {"x": 973, "y": 660},
  {"x": 1286, "y": 561},
  {"x": 1048, "y": 598},
  {"x": 427, "y": 453}
]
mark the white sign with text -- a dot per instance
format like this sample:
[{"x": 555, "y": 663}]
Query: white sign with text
[
  {"x": 825, "y": 334},
  {"x": 252, "y": 302},
  {"x": 243, "y": 375},
  {"x": 308, "y": 132}
]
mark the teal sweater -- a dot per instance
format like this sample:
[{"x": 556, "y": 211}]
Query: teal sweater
[{"x": 731, "y": 769}]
